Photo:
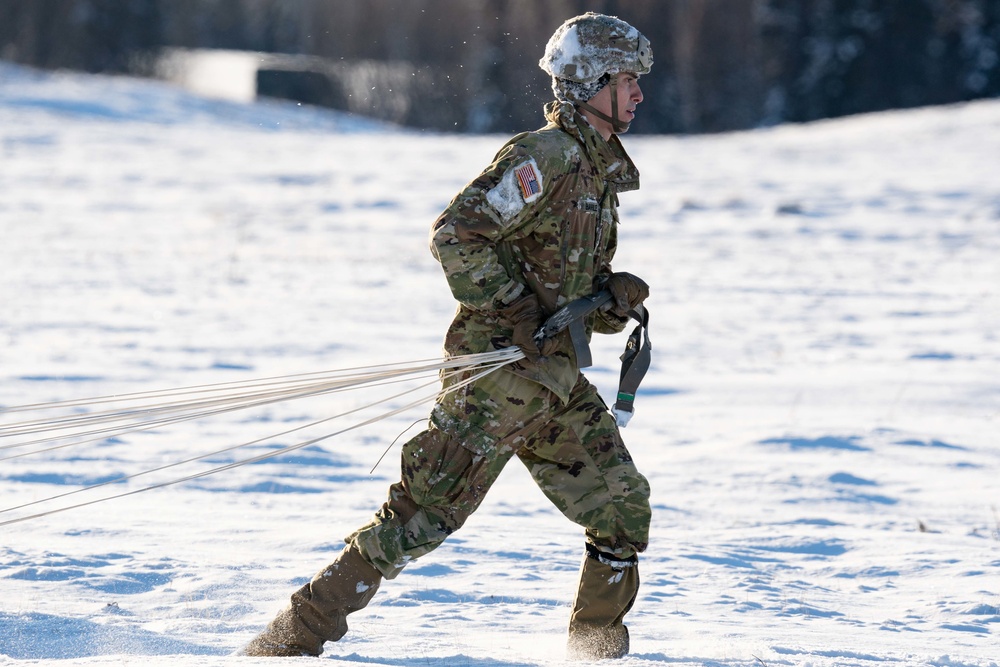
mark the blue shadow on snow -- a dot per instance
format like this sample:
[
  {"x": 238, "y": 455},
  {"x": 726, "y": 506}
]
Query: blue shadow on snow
[
  {"x": 939, "y": 444},
  {"x": 849, "y": 443},
  {"x": 34, "y": 636},
  {"x": 429, "y": 661},
  {"x": 61, "y": 378},
  {"x": 847, "y": 478},
  {"x": 61, "y": 479}
]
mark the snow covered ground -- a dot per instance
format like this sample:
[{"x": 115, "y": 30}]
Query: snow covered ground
[{"x": 820, "y": 425}]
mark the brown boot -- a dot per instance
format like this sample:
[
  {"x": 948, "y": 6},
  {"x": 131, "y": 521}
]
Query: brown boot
[
  {"x": 318, "y": 611},
  {"x": 608, "y": 587}
]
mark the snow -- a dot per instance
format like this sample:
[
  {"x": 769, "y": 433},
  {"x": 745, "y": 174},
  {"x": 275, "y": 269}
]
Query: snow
[
  {"x": 569, "y": 56},
  {"x": 819, "y": 424},
  {"x": 564, "y": 50}
]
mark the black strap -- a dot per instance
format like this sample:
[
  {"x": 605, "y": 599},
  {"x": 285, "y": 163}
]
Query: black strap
[
  {"x": 573, "y": 316},
  {"x": 635, "y": 363},
  {"x": 635, "y": 359}
]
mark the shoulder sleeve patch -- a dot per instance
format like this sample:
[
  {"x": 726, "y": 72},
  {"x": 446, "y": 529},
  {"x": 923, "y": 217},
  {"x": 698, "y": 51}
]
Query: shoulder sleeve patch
[
  {"x": 530, "y": 181},
  {"x": 521, "y": 184}
]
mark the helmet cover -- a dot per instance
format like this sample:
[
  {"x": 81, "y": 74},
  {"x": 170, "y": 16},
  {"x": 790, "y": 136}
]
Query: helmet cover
[{"x": 586, "y": 47}]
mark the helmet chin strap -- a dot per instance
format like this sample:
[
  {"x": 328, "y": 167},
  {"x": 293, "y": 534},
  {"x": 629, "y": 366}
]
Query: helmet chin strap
[{"x": 617, "y": 124}]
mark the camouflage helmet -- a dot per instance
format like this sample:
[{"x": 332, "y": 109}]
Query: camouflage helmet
[{"x": 586, "y": 47}]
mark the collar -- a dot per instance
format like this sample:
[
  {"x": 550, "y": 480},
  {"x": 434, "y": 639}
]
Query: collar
[{"x": 608, "y": 156}]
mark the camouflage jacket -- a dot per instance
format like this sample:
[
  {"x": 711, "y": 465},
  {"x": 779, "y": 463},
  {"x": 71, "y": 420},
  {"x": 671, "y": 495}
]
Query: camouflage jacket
[{"x": 542, "y": 218}]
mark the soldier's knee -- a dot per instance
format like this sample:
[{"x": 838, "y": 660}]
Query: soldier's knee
[
  {"x": 634, "y": 513},
  {"x": 436, "y": 469},
  {"x": 622, "y": 528},
  {"x": 641, "y": 506}
]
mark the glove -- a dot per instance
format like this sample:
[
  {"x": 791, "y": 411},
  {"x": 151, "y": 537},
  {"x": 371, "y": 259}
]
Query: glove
[
  {"x": 525, "y": 316},
  {"x": 628, "y": 292}
]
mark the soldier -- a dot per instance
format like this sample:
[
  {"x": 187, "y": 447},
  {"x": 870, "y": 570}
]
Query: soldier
[{"x": 536, "y": 230}]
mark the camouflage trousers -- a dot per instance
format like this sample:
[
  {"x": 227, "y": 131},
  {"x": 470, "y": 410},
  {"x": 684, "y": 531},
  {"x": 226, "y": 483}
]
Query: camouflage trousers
[{"x": 573, "y": 451}]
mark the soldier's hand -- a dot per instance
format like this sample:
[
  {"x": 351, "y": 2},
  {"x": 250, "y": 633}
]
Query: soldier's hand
[
  {"x": 525, "y": 316},
  {"x": 628, "y": 292}
]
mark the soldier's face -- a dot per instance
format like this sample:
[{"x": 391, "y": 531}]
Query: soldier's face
[{"x": 629, "y": 96}]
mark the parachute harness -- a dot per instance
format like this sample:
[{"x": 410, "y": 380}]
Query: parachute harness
[{"x": 635, "y": 359}]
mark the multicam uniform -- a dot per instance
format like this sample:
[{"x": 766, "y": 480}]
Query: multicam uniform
[{"x": 542, "y": 220}]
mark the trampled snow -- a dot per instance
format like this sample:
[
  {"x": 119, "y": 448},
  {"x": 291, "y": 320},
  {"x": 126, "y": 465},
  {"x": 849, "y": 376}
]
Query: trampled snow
[{"x": 819, "y": 426}]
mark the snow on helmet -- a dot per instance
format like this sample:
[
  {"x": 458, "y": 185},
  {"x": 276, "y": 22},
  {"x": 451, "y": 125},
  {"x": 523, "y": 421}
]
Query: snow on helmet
[{"x": 586, "y": 47}]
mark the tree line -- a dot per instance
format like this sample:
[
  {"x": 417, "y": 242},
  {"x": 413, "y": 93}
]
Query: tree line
[{"x": 471, "y": 65}]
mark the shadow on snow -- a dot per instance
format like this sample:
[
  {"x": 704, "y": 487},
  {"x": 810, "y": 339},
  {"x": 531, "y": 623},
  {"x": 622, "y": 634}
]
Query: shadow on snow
[{"x": 47, "y": 637}]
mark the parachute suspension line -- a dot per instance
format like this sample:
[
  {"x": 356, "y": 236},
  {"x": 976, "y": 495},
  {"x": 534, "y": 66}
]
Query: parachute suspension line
[
  {"x": 383, "y": 369},
  {"x": 392, "y": 444},
  {"x": 235, "y": 396},
  {"x": 124, "y": 478},
  {"x": 482, "y": 366},
  {"x": 148, "y": 424}
]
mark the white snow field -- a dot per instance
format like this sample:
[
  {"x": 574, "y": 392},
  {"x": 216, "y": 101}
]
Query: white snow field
[{"x": 819, "y": 426}]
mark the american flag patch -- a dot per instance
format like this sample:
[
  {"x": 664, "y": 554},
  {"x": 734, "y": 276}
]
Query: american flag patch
[{"x": 529, "y": 180}]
